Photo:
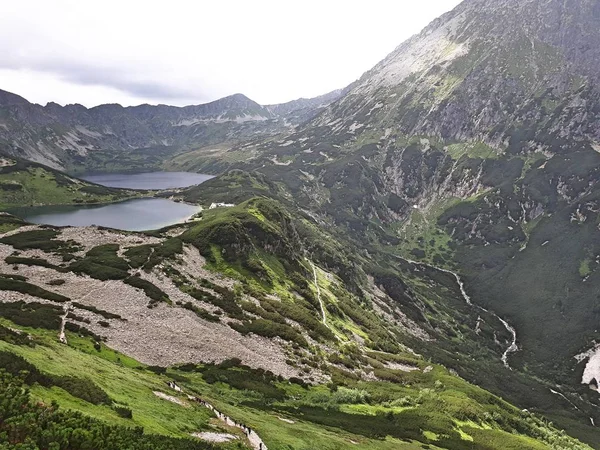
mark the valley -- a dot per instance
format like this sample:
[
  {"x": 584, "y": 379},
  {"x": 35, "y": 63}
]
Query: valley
[{"x": 410, "y": 262}]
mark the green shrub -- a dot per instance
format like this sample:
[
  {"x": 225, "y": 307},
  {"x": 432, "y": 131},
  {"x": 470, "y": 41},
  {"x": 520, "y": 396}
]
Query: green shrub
[
  {"x": 155, "y": 294},
  {"x": 13, "y": 337},
  {"x": 225, "y": 300},
  {"x": 48, "y": 427},
  {"x": 30, "y": 262},
  {"x": 13, "y": 277},
  {"x": 238, "y": 376},
  {"x": 82, "y": 388},
  {"x": 44, "y": 239},
  {"x": 82, "y": 331},
  {"x": 139, "y": 255},
  {"x": 35, "y": 315},
  {"x": 102, "y": 263},
  {"x": 97, "y": 271},
  {"x": 7, "y": 284},
  {"x": 105, "y": 314},
  {"x": 350, "y": 396},
  {"x": 267, "y": 328},
  {"x": 123, "y": 411},
  {"x": 202, "y": 313}
]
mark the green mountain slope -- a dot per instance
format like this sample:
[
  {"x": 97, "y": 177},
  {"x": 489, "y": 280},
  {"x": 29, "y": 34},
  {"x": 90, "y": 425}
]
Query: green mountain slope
[
  {"x": 24, "y": 183},
  {"x": 365, "y": 387},
  {"x": 472, "y": 148},
  {"x": 435, "y": 226}
]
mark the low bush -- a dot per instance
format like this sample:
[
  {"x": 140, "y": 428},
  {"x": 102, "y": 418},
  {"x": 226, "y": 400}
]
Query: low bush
[
  {"x": 225, "y": 300},
  {"x": 13, "y": 277},
  {"x": 105, "y": 314},
  {"x": 35, "y": 315},
  {"x": 44, "y": 240},
  {"x": 8, "y": 284},
  {"x": 238, "y": 376},
  {"x": 267, "y": 328},
  {"x": 102, "y": 263},
  {"x": 123, "y": 411},
  {"x": 155, "y": 294},
  {"x": 49, "y": 427},
  {"x": 82, "y": 331},
  {"x": 139, "y": 255},
  {"x": 81, "y": 388},
  {"x": 200, "y": 312},
  {"x": 30, "y": 262},
  {"x": 13, "y": 337}
]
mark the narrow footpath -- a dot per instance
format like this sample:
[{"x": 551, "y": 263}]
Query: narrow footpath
[
  {"x": 253, "y": 438},
  {"x": 62, "y": 337}
]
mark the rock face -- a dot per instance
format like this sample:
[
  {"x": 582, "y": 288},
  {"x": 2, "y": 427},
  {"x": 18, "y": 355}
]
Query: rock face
[{"x": 487, "y": 71}]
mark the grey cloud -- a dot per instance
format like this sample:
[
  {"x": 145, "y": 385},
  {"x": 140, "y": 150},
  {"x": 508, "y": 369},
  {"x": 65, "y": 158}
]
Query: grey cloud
[{"x": 114, "y": 77}]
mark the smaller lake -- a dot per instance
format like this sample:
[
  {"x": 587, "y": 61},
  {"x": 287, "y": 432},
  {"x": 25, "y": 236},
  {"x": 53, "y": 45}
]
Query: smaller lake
[
  {"x": 149, "y": 180},
  {"x": 131, "y": 215}
]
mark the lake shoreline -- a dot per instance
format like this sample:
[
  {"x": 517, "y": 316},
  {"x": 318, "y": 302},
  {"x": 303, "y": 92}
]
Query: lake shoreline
[{"x": 144, "y": 210}]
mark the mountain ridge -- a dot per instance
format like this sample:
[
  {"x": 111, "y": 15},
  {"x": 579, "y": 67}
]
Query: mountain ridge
[{"x": 62, "y": 136}]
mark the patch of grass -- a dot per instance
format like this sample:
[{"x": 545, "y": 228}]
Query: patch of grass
[
  {"x": 584, "y": 268},
  {"x": 115, "y": 375},
  {"x": 475, "y": 150}
]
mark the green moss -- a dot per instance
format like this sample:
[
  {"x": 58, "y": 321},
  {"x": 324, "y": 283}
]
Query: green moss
[{"x": 584, "y": 268}]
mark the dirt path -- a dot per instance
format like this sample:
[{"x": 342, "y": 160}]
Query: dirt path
[
  {"x": 513, "y": 347},
  {"x": 62, "y": 337},
  {"x": 255, "y": 441},
  {"x": 253, "y": 438}
]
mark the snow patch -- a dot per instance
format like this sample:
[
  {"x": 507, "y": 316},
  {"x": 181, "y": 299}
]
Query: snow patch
[{"x": 591, "y": 373}]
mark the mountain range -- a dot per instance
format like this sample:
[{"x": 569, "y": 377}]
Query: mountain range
[
  {"x": 73, "y": 136},
  {"x": 434, "y": 224}
]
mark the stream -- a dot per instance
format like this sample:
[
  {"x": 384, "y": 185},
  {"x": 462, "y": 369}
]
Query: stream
[{"x": 512, "y": 348}]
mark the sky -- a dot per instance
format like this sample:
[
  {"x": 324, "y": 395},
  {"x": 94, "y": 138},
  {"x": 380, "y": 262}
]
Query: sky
[{"x": 183, "y": 52}]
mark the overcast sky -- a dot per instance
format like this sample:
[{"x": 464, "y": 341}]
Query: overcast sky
[{"x": 188, "y": 52}]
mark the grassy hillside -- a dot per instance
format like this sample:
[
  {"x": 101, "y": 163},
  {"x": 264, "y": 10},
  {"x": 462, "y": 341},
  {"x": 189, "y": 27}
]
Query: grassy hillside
[
  {"x": 407, "y": 410},
  {"x": 29, "y": 184},
  {"x": 358, "y": 382}
]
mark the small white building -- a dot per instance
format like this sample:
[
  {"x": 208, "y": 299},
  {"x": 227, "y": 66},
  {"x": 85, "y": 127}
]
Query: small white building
[{"x": 220, "y": 205}]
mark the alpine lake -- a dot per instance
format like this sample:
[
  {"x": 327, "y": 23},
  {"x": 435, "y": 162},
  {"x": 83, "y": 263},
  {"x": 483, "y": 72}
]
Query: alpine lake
[{"x": 131, "y": 215}]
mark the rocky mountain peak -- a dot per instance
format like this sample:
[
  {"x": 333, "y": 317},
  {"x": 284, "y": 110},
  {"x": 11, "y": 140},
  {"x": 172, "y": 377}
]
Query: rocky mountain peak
[
  {"x": 483, "y": 70},
  {"x": 8, "y": 99}
]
